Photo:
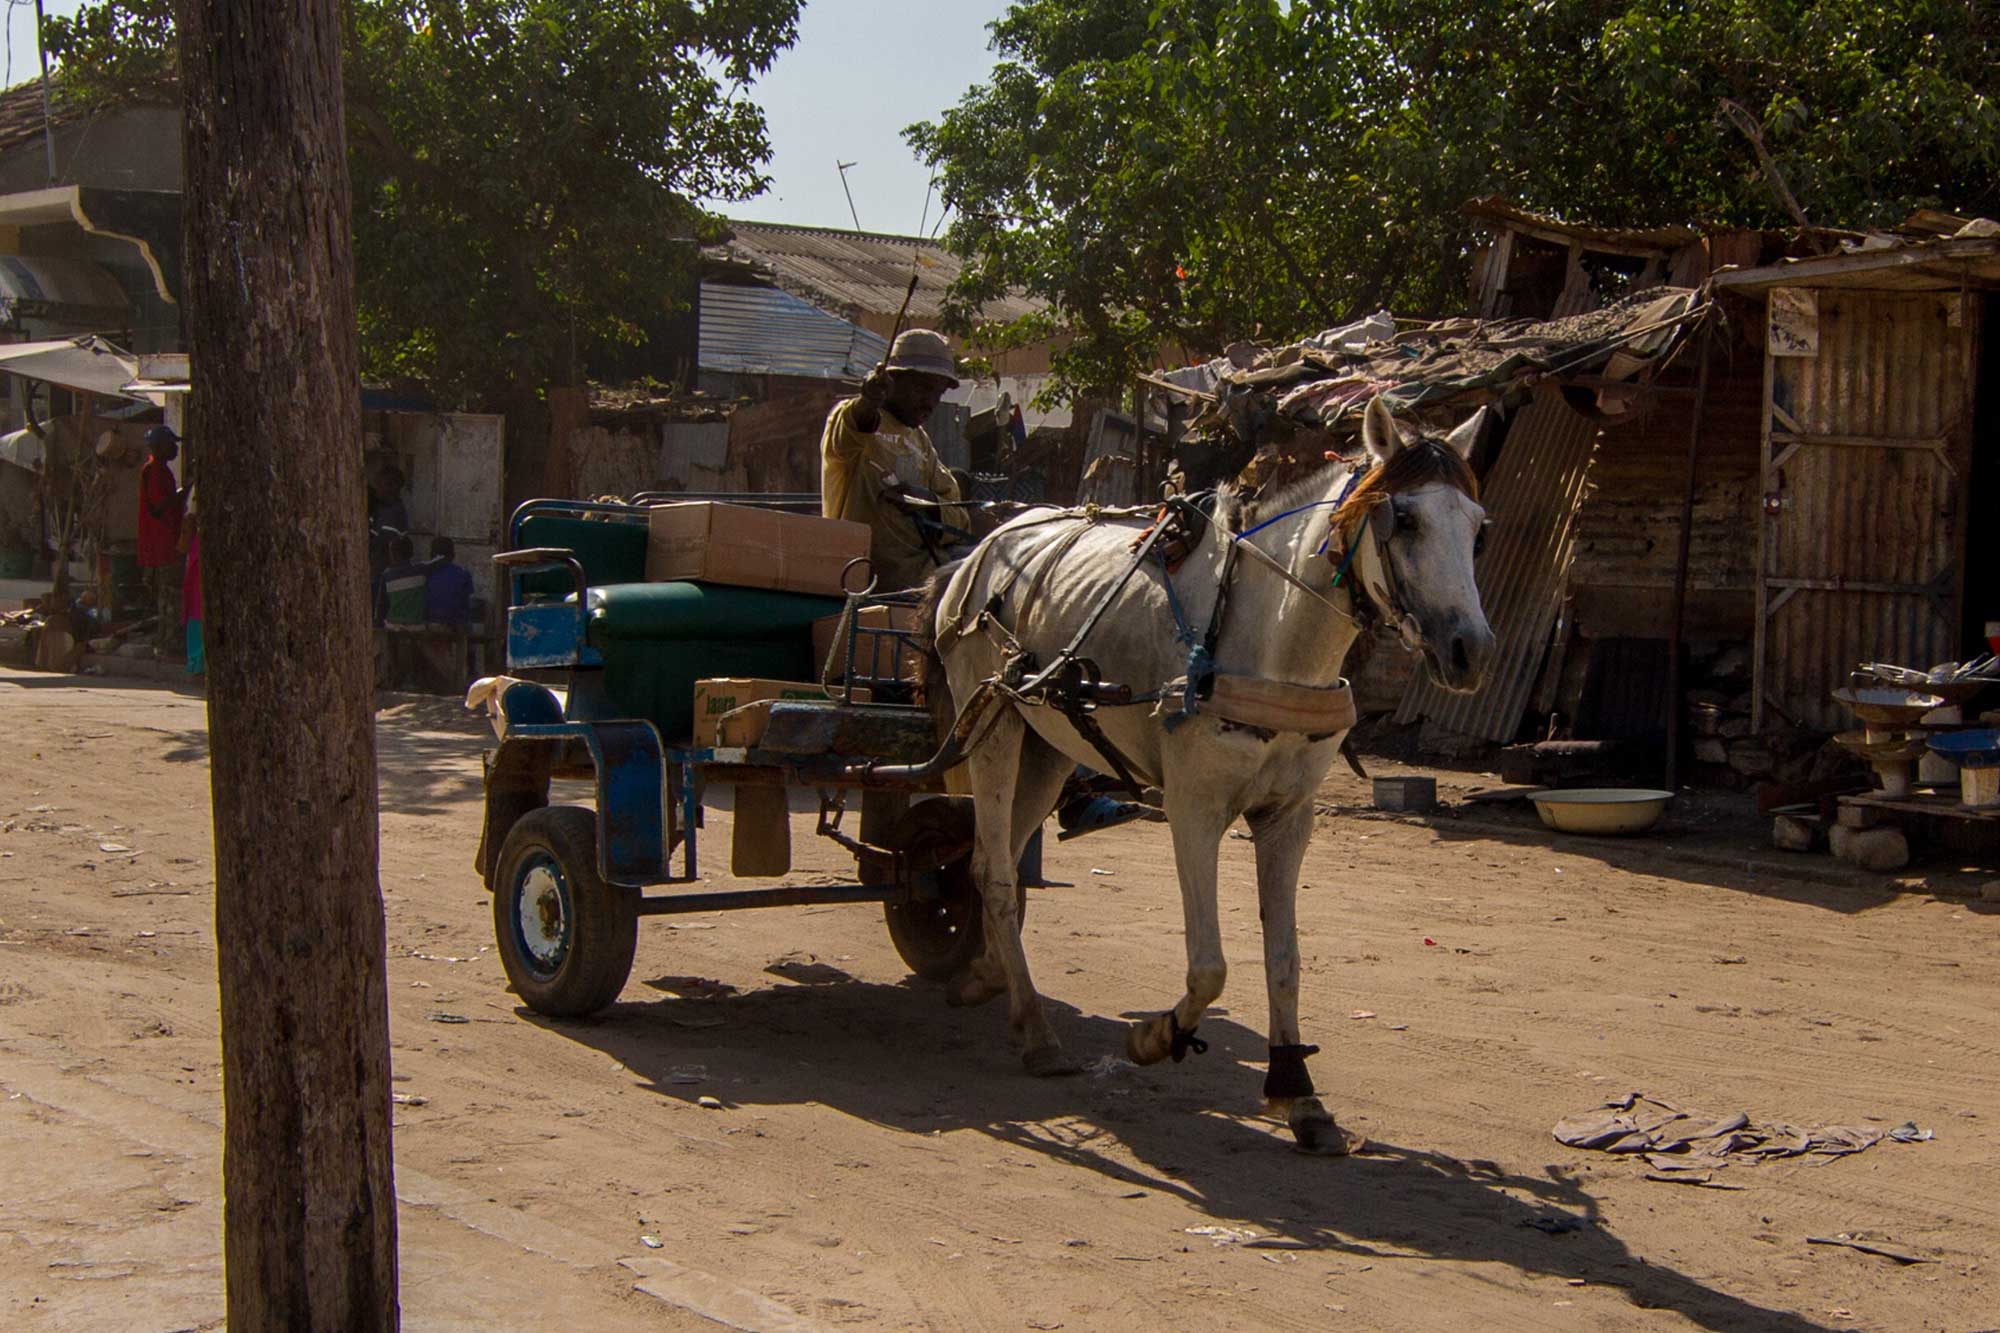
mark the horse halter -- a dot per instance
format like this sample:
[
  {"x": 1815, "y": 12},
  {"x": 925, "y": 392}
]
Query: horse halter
[{"x": 1379, "y": 598}]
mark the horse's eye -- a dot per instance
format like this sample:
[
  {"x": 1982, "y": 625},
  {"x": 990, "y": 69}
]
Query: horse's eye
[
  {"x": 1406, "y": 520},
  {"x": 1479, "y": 540}
]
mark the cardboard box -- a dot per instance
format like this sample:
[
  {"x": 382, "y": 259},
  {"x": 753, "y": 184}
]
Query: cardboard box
[
  {"x": 751, "y": 548},
  {"x": 908, "y": 665},
  {"x": 725, "y": 711}
]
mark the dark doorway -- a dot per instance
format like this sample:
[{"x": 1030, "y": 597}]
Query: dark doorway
[{"x": 1981, "y": 521}]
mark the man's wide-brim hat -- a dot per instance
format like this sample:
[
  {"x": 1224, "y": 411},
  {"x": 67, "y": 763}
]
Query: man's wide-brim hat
[{"x": 925, "y": 353}]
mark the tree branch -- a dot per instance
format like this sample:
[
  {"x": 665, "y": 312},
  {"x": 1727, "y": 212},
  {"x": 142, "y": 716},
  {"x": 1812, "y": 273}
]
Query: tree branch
[{"x": 1746, "y": 123}]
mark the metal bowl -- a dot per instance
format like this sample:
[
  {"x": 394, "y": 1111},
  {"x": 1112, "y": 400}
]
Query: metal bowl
[
  {"x": 1882, "y": 747},
  {"x": 1616, "y": 811},
  {"x": 1892, "y": 706}
]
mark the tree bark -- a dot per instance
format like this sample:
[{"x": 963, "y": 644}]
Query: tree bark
[{"x": 310, "y": 1214}]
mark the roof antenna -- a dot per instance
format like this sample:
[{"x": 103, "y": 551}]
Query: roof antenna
[
  {"x": 842, "y": 167},
  {"x": 48, "y": 127}
]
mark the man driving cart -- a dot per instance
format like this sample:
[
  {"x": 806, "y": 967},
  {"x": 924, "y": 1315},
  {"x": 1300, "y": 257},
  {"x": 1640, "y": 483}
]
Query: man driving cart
[{"x": 877, "y": 465}]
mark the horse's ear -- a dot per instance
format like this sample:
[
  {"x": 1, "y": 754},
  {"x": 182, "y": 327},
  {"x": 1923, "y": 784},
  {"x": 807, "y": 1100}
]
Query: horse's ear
[
  {"x": 1466, "y": 434},
  {"x": 1380, "y": 435}
]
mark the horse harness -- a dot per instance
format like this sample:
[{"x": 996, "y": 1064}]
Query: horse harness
[{"x": 1072, "y": 685}]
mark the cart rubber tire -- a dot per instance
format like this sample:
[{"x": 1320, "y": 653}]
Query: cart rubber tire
[
  {"x": 566, "y": 937},
  {"x": 938, "y": 937}
]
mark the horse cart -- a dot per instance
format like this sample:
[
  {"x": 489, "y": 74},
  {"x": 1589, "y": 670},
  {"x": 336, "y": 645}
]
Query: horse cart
[{"x": 601, "y": 673}]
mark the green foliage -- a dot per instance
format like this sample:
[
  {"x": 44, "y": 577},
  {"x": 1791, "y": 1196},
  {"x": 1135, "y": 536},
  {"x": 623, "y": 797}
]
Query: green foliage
[
  {"x": 1174, "y": 176},
  {"x": 525, "y": 171}
]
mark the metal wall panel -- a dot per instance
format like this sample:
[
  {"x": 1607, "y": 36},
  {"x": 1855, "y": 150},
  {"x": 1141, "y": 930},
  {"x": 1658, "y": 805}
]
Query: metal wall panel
[
  {"x": 1532, "y": 495},
  {"x": 1867, "y": 450},
  {"x": 765, "y": 331}
]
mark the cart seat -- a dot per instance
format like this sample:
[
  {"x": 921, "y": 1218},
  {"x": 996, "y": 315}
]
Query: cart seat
[{"x": 608, "y": 552}]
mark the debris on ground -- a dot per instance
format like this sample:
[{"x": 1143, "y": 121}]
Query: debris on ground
[
  {"x": 1865, "y": 1243},
  {"x": 1224, "y": 1235},
  {"x": 1554, "y": 1224},
  {"x": 1673, "y": 1140}
]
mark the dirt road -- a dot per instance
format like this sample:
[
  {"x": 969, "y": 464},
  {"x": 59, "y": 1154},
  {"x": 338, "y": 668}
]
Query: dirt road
[{"x": 878, "y": 1161}]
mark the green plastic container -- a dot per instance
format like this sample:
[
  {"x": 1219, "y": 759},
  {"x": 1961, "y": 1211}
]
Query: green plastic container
[{"x": 658, "y": 639}]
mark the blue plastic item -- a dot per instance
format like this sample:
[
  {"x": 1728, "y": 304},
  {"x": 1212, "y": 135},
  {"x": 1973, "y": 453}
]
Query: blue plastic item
[{"x": 1969, "y": 749}]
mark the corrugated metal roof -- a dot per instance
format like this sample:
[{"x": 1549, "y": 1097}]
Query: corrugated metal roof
[
  {"x": 1933, "y": 265},
  {"x": 856, "y": 272},
  {"x": 1532, "y": 495},
  {"x": 761, "y": 330},
  {"x": 1494, "y": 208}
]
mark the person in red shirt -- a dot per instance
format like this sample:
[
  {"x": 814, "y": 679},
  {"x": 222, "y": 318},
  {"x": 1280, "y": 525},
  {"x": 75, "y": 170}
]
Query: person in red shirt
[{"x": 162, "y": 499}]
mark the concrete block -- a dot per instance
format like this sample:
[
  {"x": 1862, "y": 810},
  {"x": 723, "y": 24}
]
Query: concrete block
[
  {"x": 1406, "y": 795},
  {"x": 1789, "y": 833},
  {"x": 1880, "y": 849},
  {"x": 1859, "y": 816}
]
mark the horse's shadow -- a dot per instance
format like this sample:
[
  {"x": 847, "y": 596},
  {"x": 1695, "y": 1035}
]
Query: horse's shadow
[{"x": 1193, "y": 1131}]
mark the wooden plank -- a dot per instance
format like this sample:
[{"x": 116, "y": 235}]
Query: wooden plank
[
  {"x": 1933, "y": 442},
  {"x": 1918, "y": 803},
  {"x": 1760, "y": 643},
  {"x": 1851, "y": 585}
]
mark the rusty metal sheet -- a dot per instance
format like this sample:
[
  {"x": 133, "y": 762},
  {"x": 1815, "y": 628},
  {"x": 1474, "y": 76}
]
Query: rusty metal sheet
[
  {"x": 1867, "y": 447},
  {"x": 1532, "y": 496},
  {"x": 855, "y": 273}
]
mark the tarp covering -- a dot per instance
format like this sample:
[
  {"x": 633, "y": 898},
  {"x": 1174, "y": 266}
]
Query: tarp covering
[{"x": 88, "y": 364}]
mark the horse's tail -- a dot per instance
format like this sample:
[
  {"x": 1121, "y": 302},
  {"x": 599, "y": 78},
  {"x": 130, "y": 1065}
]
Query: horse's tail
[{"x": 937, "y": 684}]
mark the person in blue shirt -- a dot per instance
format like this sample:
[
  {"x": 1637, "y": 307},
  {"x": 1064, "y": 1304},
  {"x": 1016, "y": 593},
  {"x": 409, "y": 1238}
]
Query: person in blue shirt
[{"x": 448, "y": 588}]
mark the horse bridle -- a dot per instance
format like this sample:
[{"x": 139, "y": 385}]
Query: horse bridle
[{"x": 1377, "y": 575}]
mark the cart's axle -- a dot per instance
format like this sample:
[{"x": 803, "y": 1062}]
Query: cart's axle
[{"x": 785, "y": 895}]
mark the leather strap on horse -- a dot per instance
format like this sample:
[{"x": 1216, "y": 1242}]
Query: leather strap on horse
[
  {"x": 1093, "y": 736},
  {"x": 1182, "y": 1040},
  {"x": 1287, "y": 1077}
]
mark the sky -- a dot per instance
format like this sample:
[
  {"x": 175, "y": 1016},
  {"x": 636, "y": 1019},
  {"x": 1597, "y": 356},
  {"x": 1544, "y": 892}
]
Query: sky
[
  {"x": 860, "y": 72},
  {"x": 19, "y": 56}
]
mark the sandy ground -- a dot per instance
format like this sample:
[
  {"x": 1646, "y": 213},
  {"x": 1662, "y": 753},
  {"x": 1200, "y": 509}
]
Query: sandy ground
[{"x": 878, "y": 1161}]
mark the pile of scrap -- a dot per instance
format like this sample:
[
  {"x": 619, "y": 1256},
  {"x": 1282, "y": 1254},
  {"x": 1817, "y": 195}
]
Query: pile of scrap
[{"x": 1293, "y": 403}]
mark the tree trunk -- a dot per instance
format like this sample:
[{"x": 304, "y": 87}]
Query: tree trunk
[{"x": 310, "y": 1217}]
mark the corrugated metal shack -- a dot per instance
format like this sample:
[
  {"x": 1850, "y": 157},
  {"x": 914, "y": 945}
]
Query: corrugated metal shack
[{"x": 1878, "y": 446}]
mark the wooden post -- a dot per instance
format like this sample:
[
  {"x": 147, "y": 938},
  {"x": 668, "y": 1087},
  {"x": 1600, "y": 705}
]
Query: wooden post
[
  {"x": 1676, "y": 711},
  {"x": 309, "y": 1225}
]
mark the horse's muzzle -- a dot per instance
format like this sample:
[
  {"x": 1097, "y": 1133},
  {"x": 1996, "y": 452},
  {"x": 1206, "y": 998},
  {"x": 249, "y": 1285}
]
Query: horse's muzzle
[{"x": 1459, "y": 659}]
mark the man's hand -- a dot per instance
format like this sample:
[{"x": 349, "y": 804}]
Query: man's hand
[{"x": 868, "y": 408}]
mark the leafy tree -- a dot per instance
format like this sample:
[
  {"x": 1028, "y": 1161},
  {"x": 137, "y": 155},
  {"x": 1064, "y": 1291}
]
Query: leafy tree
[
  {"x": 1174, "y": 176},
  {"x": 526, "y": 172}
]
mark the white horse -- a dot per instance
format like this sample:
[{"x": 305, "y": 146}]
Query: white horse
[{"x": 1395, "y": 541}]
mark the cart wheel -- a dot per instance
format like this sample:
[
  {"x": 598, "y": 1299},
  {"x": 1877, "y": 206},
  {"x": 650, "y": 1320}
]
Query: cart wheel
[
  {"x": 937, "y": 936},
  {"x": 566, "y": 937}
]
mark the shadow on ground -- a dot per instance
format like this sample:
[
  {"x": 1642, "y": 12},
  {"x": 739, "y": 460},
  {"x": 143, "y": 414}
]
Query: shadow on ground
[
  {"x": 1191, "y": 1130},
  {"x": 1679, "y": 850}
]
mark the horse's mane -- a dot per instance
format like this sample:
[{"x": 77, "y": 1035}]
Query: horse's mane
[{"x": 1421, "y": 462}]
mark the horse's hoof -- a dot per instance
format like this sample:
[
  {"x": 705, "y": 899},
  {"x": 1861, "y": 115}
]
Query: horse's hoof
[
  {"x": 1315, "y": 1131},
  {"x": 971, "y": 989},
  {"x": 1049, "y": 1061},
  {"x": 1144, "y": 1042}
]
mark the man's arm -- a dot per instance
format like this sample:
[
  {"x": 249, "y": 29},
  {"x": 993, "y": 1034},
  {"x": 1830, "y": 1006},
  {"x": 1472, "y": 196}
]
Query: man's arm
[{"x": 867, "y": 412}]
